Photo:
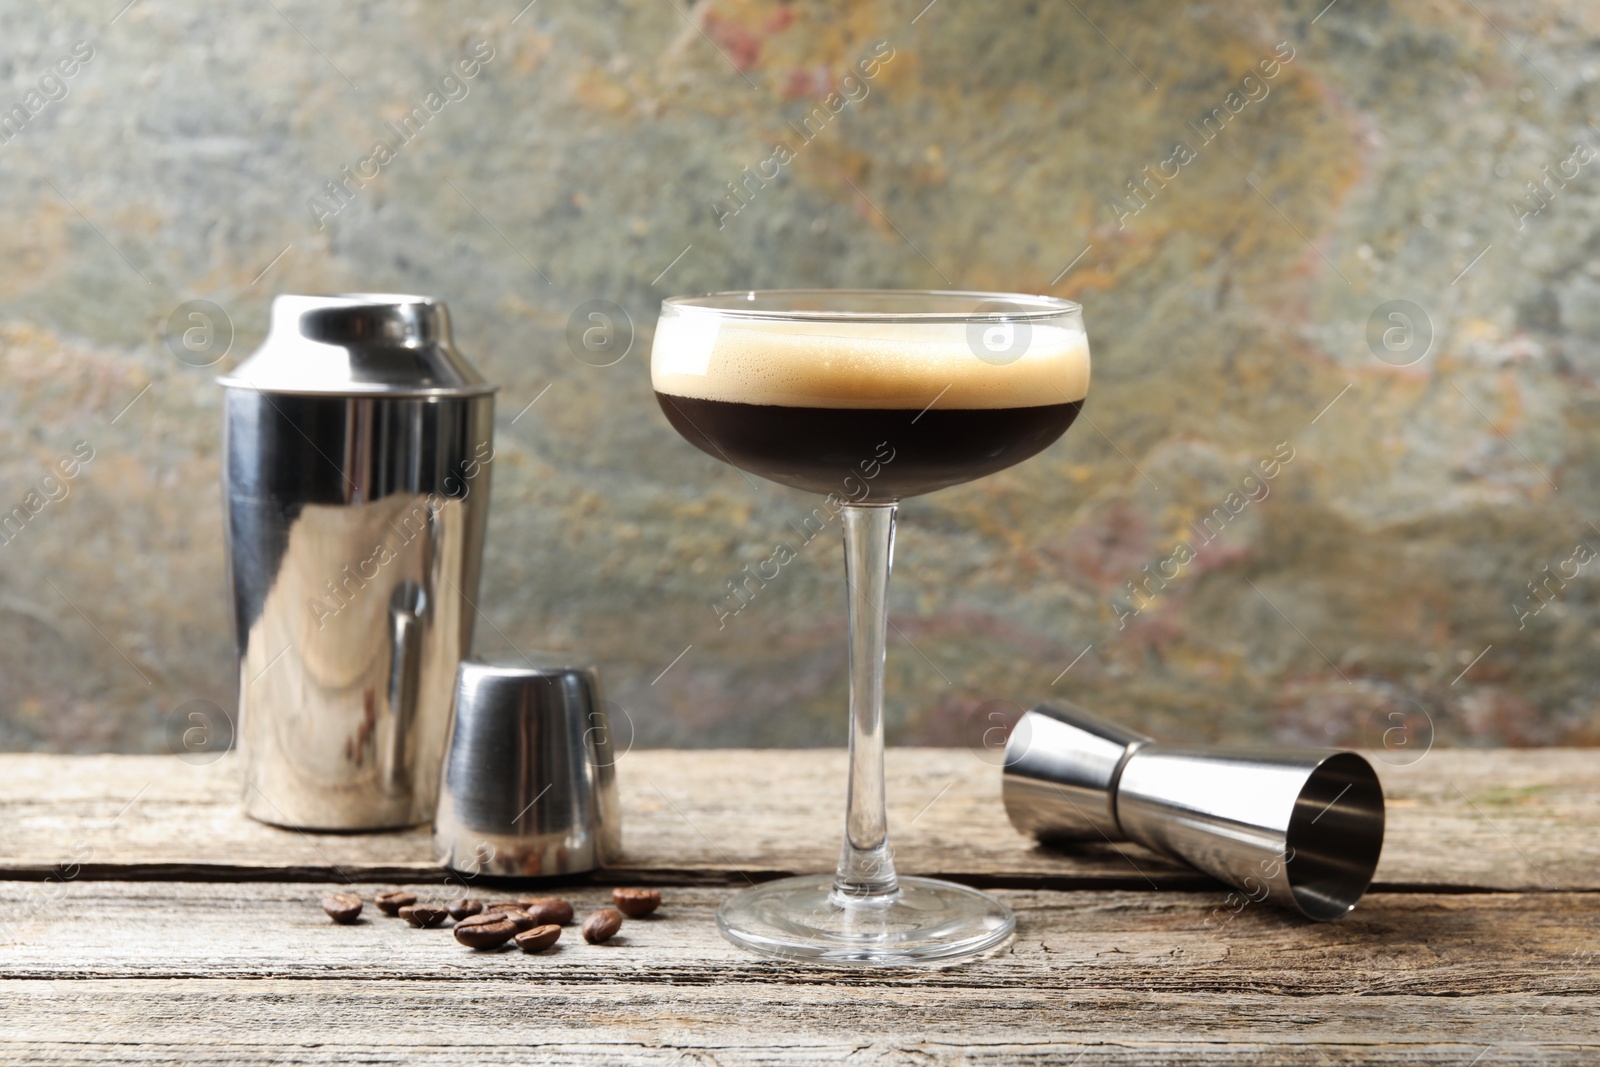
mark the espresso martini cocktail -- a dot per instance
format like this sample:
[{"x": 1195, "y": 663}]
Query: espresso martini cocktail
[
  {"x": 806, "y": 403},
  {"x": 872, "y": 396}
]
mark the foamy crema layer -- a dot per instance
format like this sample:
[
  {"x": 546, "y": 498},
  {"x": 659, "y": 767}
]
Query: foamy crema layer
[{"x": 867, "y": 365}]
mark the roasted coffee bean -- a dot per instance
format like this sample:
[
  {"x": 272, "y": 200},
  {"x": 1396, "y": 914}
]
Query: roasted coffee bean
[
  {"x": 636, "y": 903},
  {"x": 422, "y": 915},
  {"x": 460, "y": 909},
  {"x": 602, "y": 925},
  {"x": 512, "y": 912},
  {"x": 485, "y": 930},
  {"x": 539, "y": 938},
  {"x": 522, "y": 919},
  {"x": 391, "y": 903},
  {"x": 548, "y": 910},
  {"x": 342, "y": 907}
]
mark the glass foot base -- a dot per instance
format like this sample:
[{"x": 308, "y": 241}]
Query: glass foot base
[{"x": 927, "y": 921}]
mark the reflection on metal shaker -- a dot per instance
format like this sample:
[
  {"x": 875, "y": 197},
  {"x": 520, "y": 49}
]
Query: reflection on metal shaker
[{"x": 357, "y": 445}]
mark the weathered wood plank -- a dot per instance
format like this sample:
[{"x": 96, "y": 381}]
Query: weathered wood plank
[
  {"x": 1395, "y": 944},
  {"x": 1458, "y": 819},
  {"x": 213, "y": 973},
  {"x": 287, "y": 1022}
]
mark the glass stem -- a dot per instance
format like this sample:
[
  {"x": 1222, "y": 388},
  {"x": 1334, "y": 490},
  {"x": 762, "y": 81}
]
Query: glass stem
[{"x": 866, "y": 863}]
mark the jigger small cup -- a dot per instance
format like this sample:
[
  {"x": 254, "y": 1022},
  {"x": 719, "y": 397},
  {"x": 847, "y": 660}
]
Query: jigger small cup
[{"x": 1301, "y": 828}]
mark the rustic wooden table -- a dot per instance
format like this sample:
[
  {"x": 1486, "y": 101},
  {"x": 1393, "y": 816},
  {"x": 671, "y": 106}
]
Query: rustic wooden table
[{"x": 144, "y": 920}]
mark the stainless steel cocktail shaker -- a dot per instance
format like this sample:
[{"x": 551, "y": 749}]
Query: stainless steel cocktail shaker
[{"x": 356, "y": 452}]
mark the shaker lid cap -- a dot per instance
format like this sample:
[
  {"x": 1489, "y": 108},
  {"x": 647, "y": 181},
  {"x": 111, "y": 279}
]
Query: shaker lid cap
[{"x": 359, "y": 344}]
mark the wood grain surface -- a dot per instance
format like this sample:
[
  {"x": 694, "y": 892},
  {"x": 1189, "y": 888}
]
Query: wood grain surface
[
  {"x": 255, "y": 973},
  {"x": 1457, "y": 820},
  {"x": 143, "y": 920}
]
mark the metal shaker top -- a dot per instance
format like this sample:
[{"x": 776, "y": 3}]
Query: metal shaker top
[
  {"x": 359, "y": 344},
  {"x": 530, "y": 775}
]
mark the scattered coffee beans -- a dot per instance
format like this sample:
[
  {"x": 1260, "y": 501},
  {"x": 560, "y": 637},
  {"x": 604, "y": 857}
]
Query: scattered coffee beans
[
  {"x": 342, "y": 907},
  {"x": 539, "y": 938},
  {"x": 391, "y": 903},
  {"x": 636, "y": 903},
  {"x": 535, "y": 923},
  {"x": 602, "y": 925},
  {"x": 489, "y": 929},
  {"x": 460, "y": 909},
  {"x": 422, "y": 915},
  {"x": 548, "y": 910}
]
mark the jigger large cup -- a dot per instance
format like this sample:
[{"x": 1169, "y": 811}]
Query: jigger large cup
[
  {"x": 1301, "y": 827},
  {"x": 355, "y": 468}
]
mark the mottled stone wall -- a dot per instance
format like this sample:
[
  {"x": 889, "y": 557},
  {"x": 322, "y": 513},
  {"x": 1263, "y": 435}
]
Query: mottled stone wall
[{"x": 1297, "y": 167}]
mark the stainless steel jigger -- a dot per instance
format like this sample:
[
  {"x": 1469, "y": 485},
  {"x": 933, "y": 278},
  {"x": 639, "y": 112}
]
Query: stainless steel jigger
[
  {"x": 529, "y": 786},
  {"x": 1300, "y": 827}
]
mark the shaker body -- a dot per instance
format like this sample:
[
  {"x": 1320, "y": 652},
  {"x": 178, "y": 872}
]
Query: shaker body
[{"x": 354, "y": 529}]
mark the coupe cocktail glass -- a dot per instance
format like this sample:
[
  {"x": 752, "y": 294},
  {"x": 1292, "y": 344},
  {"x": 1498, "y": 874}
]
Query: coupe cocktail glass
[{"x": 870, "y": 396}]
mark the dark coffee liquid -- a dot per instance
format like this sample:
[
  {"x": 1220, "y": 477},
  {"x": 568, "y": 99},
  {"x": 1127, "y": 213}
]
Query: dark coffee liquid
[{"x": 906, "y": 452}]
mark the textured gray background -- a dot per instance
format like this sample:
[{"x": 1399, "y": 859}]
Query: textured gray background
[{"x": 1225, "y": 316}]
